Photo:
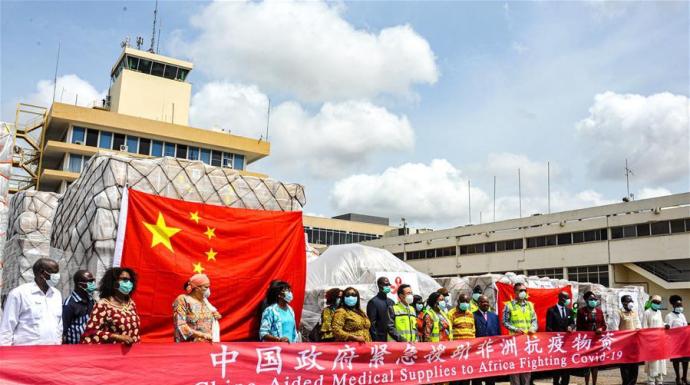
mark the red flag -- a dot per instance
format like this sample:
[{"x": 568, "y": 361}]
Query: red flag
[
  {"x": 542, "y": 298},
  {"x": 166, "y": 241}
]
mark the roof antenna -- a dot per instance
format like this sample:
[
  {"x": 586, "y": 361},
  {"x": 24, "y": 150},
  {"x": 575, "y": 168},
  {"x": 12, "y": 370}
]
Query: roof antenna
[
  {"x": 158, "y": 43},
  {"x": 153, "y": 34}
]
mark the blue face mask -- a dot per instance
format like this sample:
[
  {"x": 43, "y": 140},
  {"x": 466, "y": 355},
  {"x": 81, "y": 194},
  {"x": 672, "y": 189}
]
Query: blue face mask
[
  {"x": 656, "y": 306},
  {"x": 592, "y": 303},
  {"x": 350, "y": 301},
  {"x": 90, "y": 287},
  {"x": 566, "y": 302},
  {"x": 464, "y": 306},
  {"x": 386, "y": 289},
  {"x": 125, "y": 287},
  {"x": 419, "y": 306},
  {"x": 288, "y": 296},
  {"x": 442, "y": 305},
  {"x": 475, "y": 296}
]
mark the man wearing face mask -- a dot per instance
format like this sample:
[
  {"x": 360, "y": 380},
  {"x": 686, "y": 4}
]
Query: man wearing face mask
[
  {"x": 474, "y": 302},
  {"x": 462, "y": 319},
  {"x": 33, "y": 311},
  {"x": 519, "y": 317},
  {"x": 77, "y": 307},
  {"x": 656, "y": 370},
  {"x": 627, "y": 319},
  {"x": 486, "y": 325},
  {"x": 405, "y": 315},
  {"x": 559, "y": 319},
  {"x": 380, "y": 313},
  {"x": 676, "y": 319}
]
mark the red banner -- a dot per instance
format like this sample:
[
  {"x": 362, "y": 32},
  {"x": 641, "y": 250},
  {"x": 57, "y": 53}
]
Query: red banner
[
  {"x": 542, "y": 298},
  {"x": 168, "y": 240},
  {"x": 334, "y": 363}
]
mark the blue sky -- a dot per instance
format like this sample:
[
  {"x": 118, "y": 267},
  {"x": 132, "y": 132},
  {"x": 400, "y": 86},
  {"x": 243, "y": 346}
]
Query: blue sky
[{"x": 511, "y": 85}]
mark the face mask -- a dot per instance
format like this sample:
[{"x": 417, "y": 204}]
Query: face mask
[
  {"x": 522, "y": 295},
  {"x": 566, "y": 302},
  {"x": 386, "y": 289},
  {"x": 125, "y": 287},
  {"x": 53, "y": 280},
  {"x": 592, "y": 303},
  {"x": 90, "y": 287},
  {"x": 464, "y": 306},
  {"x": 442, "y": 305},
  {"x": 476, "y": 296},
  {"x": 350, "y": 300},
  {"x": 419, "y": 306},
  {"x": 656, "y": 306},
  {"x": 678, "y": 310},
  {"x": 409, "y": 299},
  {"x": 207, "y": 293},
  {"x": 629, "y": 306},
  {"x": 288, "y": 297}
]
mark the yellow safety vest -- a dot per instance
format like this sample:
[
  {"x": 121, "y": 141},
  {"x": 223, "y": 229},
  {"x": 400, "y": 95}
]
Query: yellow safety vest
[
  {"x": 521, "y": 317},
  {"x": 435, "y": 330},
  {"x": 405, "y": 322},
  {"x": 473, "y": 306}
]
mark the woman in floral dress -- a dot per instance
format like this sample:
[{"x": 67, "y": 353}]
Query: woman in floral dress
[{"x": 193, "y": 315}]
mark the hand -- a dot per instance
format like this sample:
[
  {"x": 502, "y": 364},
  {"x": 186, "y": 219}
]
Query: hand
[
  {"x": 206, "y": 336},
  {"x": 570, "y": 329},
  {"x": 598, "y": 332},
  {"x": 667, "y": 326},
  {"x": 125, "y": 339},
  {"x": 530, "y": 332},
  {"x": 359, "y": 339},
  {"x": 284, "y": 339},
  {"x": 521, "y": 332},
  {"x": 217, "y": 315}
]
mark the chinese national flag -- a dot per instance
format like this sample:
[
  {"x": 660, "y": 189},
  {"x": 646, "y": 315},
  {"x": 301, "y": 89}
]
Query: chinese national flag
[
  {"x": 542, "y": 298},
  {"x": 166, "y": 241}
]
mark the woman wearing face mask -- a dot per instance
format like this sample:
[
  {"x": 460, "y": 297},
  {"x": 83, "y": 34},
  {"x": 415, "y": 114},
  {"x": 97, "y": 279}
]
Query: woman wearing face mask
[
  {"x": 350, "y": 323},
  {"x": 436, "y": 327},
  {"x": 418, "y": 304},
  {"x": 114, "y": 319},
  {"x": 278, "y": 318},
  {"x": 192, "y": 314},
  {"x": 332, "y": 304}
]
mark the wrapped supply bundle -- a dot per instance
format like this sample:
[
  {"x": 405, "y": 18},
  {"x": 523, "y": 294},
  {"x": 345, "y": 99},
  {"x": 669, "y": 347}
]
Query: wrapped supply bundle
[{"x": 5, "y": 174}]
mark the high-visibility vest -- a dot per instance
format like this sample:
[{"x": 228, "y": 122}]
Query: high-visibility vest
[
  {"x": 521, "y": 317},
  {"x": 473, "y": 306},
  {"x": 405, "y": 321},
  {"x": 436, "y": 328}
]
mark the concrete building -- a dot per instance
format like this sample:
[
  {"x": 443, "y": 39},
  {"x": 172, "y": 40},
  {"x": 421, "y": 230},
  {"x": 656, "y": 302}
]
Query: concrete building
[
  {"x": 145, "y": 114},
  {"x": 644, "y": 242},
  {"x": 348, "y": 228}
]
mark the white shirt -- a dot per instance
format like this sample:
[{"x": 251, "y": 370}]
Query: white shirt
[
  {"x": 562, "y": 311},
  {"x": 675, "y": 320},
  {"x": 31, "y": 317}
]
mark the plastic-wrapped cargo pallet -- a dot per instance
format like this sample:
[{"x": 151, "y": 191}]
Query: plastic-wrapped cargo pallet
[
  {"x": 5, "y": 174},
  {"x": 86, "y": 219},
  {"x": 28, "y": 235},
  {"x": 353, "y": 265},
  {"x": 610, "y": 297}
]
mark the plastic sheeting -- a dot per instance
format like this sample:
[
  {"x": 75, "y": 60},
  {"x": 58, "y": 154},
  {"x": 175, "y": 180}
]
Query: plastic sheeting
[
  {"x": 610, "y": 297},
  {"x": 352, "y": 265},
  {"x": 28, "y": 235},
  {"x": 5, "y": 175}
]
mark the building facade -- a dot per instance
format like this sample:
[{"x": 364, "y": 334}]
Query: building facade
[
  {"x": 644, "y": 242},
  {"x": 348, "y": 228},
  {"x": 145, "y": 114}
]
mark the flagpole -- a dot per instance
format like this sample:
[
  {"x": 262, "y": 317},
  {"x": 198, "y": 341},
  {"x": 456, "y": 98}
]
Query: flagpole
[{"x": 121, "y": 227}]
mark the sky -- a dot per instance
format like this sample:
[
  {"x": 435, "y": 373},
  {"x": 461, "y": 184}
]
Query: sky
[{"x": 395, "y": 108}]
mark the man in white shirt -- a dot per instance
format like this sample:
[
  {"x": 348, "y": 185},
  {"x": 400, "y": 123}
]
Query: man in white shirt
[{"x": 33, "y": 311}]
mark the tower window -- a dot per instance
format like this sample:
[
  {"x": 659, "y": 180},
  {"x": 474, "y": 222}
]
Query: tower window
[
  {"x": 170, "y": 72},
  {"x": 158, "y": 69},
  {"x": 145, "y": 66}
]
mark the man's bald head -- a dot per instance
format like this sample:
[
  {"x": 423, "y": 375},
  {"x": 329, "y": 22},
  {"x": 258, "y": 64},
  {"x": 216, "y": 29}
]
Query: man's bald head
[{"x": 48, "y": 265}]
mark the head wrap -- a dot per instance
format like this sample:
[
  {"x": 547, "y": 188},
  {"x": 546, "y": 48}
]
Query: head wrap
[
  {"x": 656, "y": 297},
  {"x": 197, "y": 280}
]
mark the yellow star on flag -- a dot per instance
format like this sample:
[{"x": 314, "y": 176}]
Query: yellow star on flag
[
  {"x": 198, "y": 268},
  {"x": 210, "y": 232},
  {"x": 194, "y": 216},
  {"x": 211, "y": 255},
  {"x": 161, "y": 233}
]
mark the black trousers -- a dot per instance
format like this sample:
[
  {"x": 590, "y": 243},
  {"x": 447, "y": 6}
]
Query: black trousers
[
  {"x": 629, "y": 373},
  {"x": 561, "y": 377}
]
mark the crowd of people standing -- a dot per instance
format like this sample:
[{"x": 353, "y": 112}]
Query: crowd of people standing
[{"x": 34, "y": 314}]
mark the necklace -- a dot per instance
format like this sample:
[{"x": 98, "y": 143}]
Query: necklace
[{"x": 125, "y": 307}]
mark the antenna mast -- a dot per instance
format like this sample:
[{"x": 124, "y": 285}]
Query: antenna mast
[
  {"x": 628, "y": 172},
  {"x": 153, "y": 33}
]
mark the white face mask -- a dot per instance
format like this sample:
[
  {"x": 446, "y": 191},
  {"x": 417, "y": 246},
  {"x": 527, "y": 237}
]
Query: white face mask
[
  {"x": 54, "y": 280},
  {"x": 409, "y": 299},
  {"x": 207, "y": 293},
  {"x": 629, "y": 306}
]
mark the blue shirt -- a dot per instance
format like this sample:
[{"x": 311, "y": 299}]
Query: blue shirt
[
  {"x": 288, "y": 324},
  {"x": 272, "y": 320}
]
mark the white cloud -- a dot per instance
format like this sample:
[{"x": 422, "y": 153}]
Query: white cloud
[
  {"x": 241, "y": 110},
  {"x": 330, "y": 142},
  {"x": 519, "y": 47},
  {"x": 337, "y": 139},
  {"x": 308, "y": 50},
  {"x": 533, "y": 174},
  {"x": 650, "y": 131},
  {"x": 71, "y": 89},
  {"x": 652, "y": 192},
  {"x": 436, "y": 195}
]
